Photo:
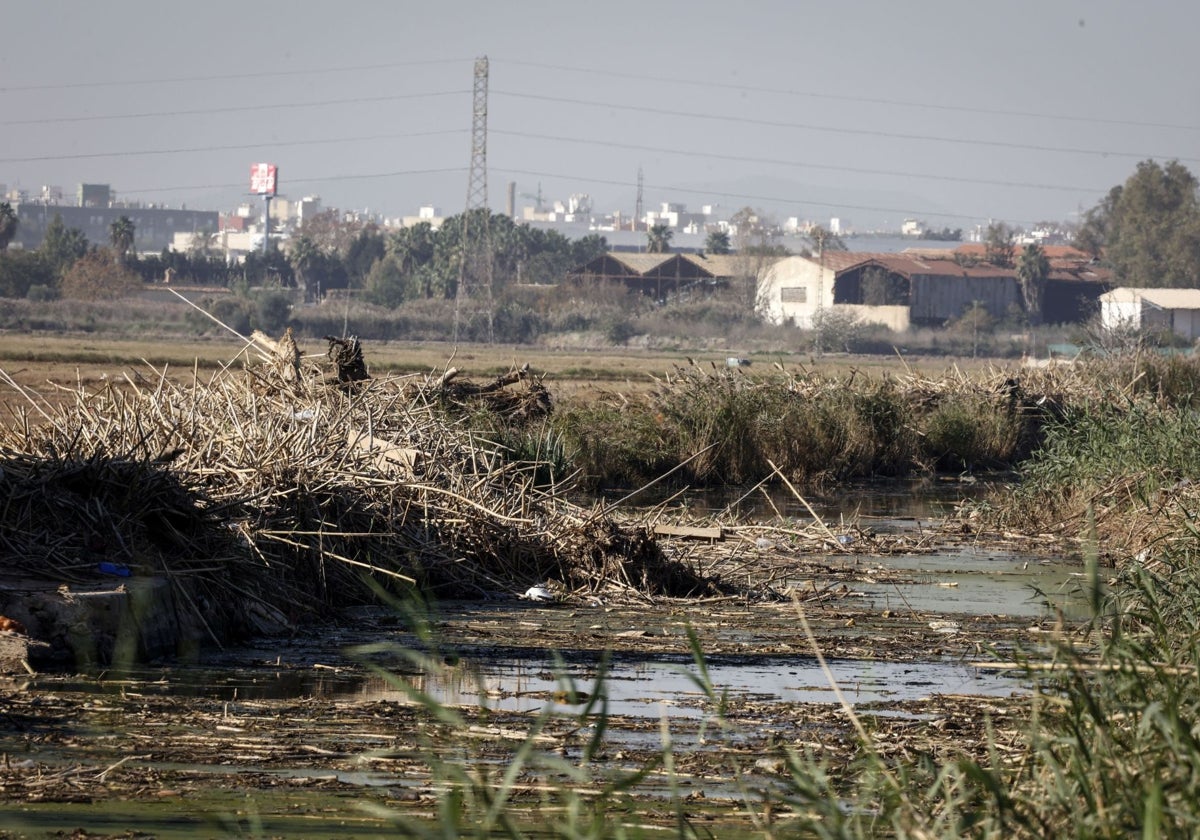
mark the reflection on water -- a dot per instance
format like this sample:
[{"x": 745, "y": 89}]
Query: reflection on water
[
  {"x": 648, "y": 687},
  {"x": 975, "y": 582},
  {"x": 882, "y": 506},
  {"x": 668, "y": 687}
]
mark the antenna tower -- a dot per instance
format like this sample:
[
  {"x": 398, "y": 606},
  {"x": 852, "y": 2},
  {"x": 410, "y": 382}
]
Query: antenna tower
[
  {"x": 475, "y": 265},
  {"x": 637, "y": 206}
]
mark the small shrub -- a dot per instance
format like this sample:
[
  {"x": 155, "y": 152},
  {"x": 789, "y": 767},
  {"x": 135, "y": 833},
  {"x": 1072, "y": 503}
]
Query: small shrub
[
  {"x": 40, "y": 293},
  {"x": 272, "y": 312}
]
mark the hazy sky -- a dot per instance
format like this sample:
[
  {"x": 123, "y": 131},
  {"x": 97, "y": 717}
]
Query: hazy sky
[{"x": 952, "y": 112}]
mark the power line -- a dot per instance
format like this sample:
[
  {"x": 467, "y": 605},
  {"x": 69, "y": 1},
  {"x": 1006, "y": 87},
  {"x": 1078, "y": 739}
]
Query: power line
[
  {"x": 793, "y": 163},
  {"x": 228, "y": 109},
  {"x": 222, "y": 77},
  {"x": 865, "y": 132},
  {"x": 316, "y": 179},
  {"x": 273, "y": 144},
  {"x": 868, "y": 100}
]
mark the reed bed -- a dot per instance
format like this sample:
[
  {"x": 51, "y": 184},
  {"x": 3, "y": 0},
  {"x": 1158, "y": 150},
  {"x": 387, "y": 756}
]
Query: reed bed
[
  {"x": 272, "y": 482},
  {"x": 815, "y": 427}
]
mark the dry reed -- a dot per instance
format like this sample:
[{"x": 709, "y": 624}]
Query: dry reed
[{"x": 274, "y": 484}]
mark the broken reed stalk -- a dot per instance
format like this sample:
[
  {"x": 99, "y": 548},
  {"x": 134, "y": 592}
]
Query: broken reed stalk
[{"x": 249, "y": 484}]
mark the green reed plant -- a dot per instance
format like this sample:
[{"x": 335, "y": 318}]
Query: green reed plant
[
  {"x": 971, "y": 431},
  {"x": 835, "y": 431},
  {"x": 1116, "y": 451}
]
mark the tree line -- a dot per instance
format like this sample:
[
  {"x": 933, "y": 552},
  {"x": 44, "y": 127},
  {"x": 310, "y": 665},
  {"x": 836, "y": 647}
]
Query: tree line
[
  {"x": 388, "y": 268},
  {"x": 1147, "y": 230}
]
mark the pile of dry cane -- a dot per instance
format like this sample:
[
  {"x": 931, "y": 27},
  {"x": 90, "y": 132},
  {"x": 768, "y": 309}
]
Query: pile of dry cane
[{"x": 284, "y": 483}]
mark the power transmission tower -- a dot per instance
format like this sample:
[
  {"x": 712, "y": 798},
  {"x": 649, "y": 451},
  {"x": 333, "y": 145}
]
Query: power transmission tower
[
  {"x": 475, "y": 260},
  {"x": 637, "y": 206}
]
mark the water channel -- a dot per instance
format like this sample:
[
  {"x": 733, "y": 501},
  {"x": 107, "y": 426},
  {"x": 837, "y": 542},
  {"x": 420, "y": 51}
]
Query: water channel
[{"x": 947, "y": 587}]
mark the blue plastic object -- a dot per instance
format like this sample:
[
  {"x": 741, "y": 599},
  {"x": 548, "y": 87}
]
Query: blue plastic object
[{"x": 114, "y": 569}]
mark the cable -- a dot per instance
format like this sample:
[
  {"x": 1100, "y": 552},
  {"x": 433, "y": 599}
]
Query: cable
[
  {"x": 891, "y": 135},
  {"x": 311, "y": 71},
  {"x": 274, "y": 144},
  {"x": 319, "y": 179},
  {"x": 966, "y": 109},
  {"x": 791, "y": 163},
  {"x": 235, "y": 108}
]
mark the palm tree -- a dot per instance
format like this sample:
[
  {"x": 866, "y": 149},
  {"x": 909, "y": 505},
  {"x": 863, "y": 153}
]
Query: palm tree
[
  {"x": 717, "y": 242},
  {"x": 658, "y": 239},
  {"x": 305, "y": 259},
  {"x": 120, "y": 234},
  {"x": 8, "y": 225},
  {"x": 1032, "y": 270}
]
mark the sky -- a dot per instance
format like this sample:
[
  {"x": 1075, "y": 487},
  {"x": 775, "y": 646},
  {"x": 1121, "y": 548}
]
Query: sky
[{"x": 954, "y": 113}]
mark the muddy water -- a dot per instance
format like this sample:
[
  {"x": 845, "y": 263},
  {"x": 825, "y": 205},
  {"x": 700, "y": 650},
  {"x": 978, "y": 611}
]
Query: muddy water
[{"x": 758, "y": 662}]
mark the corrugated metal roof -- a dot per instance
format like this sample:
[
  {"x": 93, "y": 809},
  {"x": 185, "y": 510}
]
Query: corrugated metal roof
[
  {"x": 907, "y": 264},
  {"x": 728, "y": 265},
  {"x": 1084, "y": 273},
  {"x": 1162, "y": 298},
  {"x": 639, "y": 263},
  {"x": 1052, "y": 252}
]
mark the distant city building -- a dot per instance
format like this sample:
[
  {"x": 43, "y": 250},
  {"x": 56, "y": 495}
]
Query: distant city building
[
  {"x": 154, "y": 227},
  {"x": 94, "y": 195}
]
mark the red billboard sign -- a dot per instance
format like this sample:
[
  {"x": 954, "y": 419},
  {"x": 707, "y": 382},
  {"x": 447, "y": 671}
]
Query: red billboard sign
[{"x": 263, "y": 178}]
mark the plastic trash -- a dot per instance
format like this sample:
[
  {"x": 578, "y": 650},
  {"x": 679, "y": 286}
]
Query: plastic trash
[
  {"x": 539, "y": 593},
  {"x": 845, "y": 539},
  {"x": 117, "y": 569}
]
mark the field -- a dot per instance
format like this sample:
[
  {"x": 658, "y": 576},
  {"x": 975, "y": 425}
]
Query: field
[
  {"x": 39, "y": 360},
  {"x": 832, "y": 669}
]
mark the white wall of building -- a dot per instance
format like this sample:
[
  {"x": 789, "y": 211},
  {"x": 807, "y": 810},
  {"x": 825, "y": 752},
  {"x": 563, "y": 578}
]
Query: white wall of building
[{"x": 789, "y": 289}]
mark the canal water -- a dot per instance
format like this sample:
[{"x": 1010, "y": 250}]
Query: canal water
[{"x": 643, "y": 692}]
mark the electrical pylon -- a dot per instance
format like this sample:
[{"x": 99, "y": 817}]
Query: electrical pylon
[
  {"x": 475, "y": 261},
  {"x": 637, "y": 205}
]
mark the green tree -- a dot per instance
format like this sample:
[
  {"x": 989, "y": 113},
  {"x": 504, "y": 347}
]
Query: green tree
[
  {"x": 717, "y": 242},
  {"x": 1149, "y": 228},
  {"x": 8, "y": 225},
  {"x": 385, "y": 284},
  {"x": 361, "y": 254},
  {"x": 587, "y": 248},
  {"x": 62, "y": 246},
  {"x": 1093, "y": 233},
  {"x": 658, "y": 239},
  {"x": 272, "y": 311},
  {"x": 306, "y": 260},
  {"x": 120, "y": 235},
  {"x": 999, "y": 246},
  {"x": 22, "y": 270},
  {"x": 1032, "y": 271},
  {"x": 271, "y": 269}
]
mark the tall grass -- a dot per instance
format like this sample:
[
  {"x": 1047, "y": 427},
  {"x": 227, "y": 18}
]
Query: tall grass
[
  {"x": 1126, "y": 458},
  {"x": 1109, "y": 747},
  {"x": 730, "y": 429}
]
